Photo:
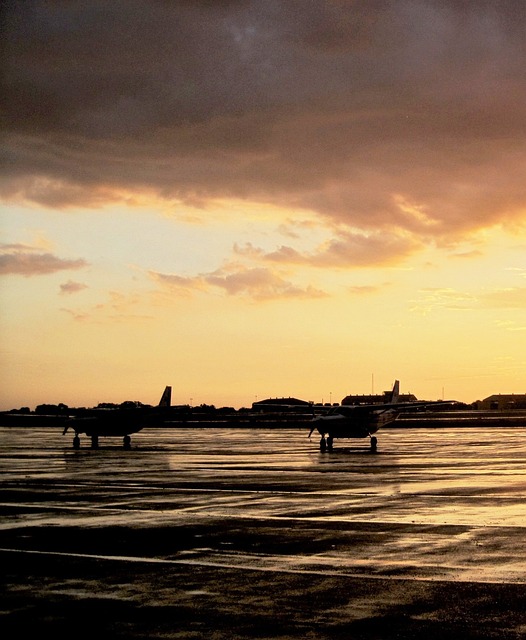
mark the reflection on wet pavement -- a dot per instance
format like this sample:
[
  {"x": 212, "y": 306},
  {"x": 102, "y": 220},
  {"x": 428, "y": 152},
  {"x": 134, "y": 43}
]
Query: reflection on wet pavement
[{"x": 446, "y": 505}]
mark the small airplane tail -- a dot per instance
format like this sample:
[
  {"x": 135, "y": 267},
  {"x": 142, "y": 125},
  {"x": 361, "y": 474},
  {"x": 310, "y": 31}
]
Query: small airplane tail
[
  {"x": 395, "y": 393},
  {"x": 166, "y": 398}
]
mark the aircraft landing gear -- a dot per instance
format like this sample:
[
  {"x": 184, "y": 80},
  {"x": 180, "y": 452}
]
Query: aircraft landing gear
[
  {"x": 126, "y": 442},
  {"x": 94, "y": 442},
  {"x": 374, "y": 443},
  {"x": 330, "y": 441},
  {"x": 76, "y": 442},
  {"x": 323, "y": 445}
]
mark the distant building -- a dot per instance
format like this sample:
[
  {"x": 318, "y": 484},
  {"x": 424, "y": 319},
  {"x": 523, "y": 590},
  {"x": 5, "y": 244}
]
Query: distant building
[
  {"x": 503, "y": 401},
  {"x": 377, "y": 399},
  {"x": 271, "y": 405}
]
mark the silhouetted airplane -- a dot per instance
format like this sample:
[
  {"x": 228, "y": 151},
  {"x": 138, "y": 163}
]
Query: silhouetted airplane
[
  {"x": 117, "y": 422},
  {"x": 363, "y": 420}
]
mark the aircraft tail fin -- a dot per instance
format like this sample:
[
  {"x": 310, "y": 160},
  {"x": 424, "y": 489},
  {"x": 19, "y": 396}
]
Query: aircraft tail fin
[
  {"x": 166, "y": 398},
  {"x": 395, "y": 393}
]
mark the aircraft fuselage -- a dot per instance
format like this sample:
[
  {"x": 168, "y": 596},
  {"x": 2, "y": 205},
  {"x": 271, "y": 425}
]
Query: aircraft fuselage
[
  {"x": 356, "y": 424},
  {"x": 114, "y": 422}
]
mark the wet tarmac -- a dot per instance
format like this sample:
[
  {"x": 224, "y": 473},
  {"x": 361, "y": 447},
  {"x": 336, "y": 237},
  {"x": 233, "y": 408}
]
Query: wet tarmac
[{"x": 217, "y": 533}]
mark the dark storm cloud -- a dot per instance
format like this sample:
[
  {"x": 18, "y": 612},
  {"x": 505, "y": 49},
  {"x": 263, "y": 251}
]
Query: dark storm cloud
[{"x": 376, "y": 114}]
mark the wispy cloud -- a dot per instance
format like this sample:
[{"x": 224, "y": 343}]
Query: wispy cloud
[
  {"x": 365, "y": 290},
  {"x": 256, "y": 283},
  {"x": 70, "y": 287},
  {"x": 347, "y": 249},
  {"x": 435, "y": 298},
  {"x": 509, "y": 298},
  {"x": 510, "y": 325},
  {"x": 447, "y": 298},
  {"x": 118, "y": 307},
  {"x": 475, "y": 253},
  {"x": 26, "y": 261}
]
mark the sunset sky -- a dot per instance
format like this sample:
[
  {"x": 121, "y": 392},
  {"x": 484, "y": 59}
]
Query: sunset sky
[{"x": 245, "y": 200}]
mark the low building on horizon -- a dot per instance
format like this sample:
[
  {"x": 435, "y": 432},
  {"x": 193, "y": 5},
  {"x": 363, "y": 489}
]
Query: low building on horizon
[
  {"x": 502, "y": 402},
  {"x": 272, "y": 405},
  {"x": 377, "y": 398}
]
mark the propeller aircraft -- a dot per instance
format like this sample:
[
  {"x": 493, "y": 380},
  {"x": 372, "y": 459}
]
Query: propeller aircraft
[
  {"x": 363, "y": 420},
  {"x": 117, "y": 422}
]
